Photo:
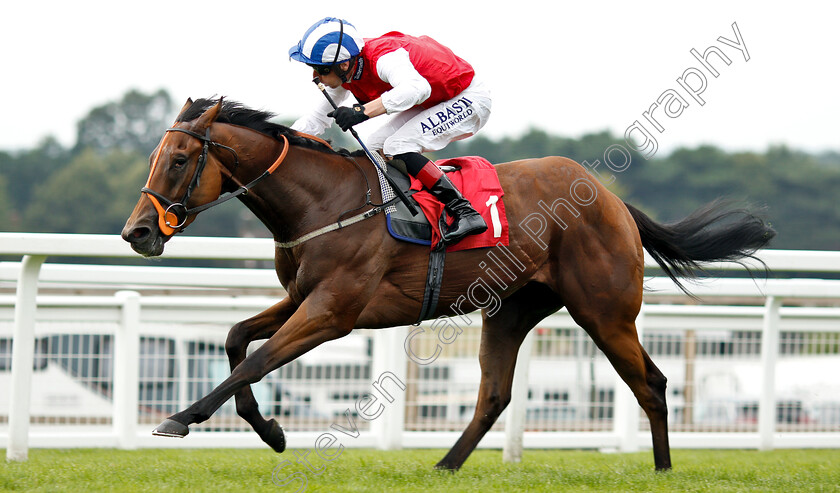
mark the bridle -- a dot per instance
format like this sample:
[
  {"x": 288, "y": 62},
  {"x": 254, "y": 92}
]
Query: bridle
[{"x": 172, "y": 216}]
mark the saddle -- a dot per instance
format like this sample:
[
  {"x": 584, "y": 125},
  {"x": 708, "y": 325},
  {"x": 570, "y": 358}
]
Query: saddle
[
  {"x": 475, "y": 178},
  {"x": 401, "y": 224},
  {"x": 480, "y": 185}
]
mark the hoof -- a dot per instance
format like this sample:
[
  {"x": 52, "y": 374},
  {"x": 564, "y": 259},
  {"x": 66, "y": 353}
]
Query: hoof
[
  {"x": 441, "y": 466},
  {"x": 276, "y": 438},
  {"x": 171, "y": 428}
]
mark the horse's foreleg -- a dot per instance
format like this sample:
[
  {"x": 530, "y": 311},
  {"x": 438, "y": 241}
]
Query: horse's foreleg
[
  {"x": 311, "y": 325},
  {"x": 261, "y": 326},
  {"x": 501, "y": 336}
]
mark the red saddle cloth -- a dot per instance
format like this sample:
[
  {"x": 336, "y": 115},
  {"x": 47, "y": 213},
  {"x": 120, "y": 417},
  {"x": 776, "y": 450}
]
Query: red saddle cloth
[{"x": 479, "y": 183}]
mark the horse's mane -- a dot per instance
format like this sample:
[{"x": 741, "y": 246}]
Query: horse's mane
[{"x": 236, "y": 113}]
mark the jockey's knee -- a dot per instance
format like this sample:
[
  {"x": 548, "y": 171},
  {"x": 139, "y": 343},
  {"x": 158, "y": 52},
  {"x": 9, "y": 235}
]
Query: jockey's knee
[{"x": 414, "y": 161}]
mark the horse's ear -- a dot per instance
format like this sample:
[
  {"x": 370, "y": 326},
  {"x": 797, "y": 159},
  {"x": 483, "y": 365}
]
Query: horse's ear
[
  {"x": 210, "y": 115},
  {"x": 185, "y": 108}
]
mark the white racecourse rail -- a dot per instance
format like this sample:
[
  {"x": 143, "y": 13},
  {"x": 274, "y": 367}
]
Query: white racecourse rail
[{"x": 102, "y": 353}]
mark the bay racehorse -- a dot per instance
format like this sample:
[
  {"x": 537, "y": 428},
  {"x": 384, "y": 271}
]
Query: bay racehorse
[{"x": 585, "y": 254}]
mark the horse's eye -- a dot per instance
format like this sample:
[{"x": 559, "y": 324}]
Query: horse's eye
[{"x": 179, "y": 161}]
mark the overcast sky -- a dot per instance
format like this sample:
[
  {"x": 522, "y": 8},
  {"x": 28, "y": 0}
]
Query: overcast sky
[{"x": 566, "y": 67}]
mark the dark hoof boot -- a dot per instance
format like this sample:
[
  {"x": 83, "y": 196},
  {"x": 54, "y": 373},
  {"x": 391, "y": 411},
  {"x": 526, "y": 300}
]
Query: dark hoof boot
[
  {"x": 276, "y": 438},
  {"x": 171, "y": 428}
]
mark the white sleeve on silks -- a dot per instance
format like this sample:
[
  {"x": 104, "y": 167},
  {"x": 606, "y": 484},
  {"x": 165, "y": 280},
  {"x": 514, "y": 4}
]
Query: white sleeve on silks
[
  {"x": 317, "y": 120},
  {"x": 409, "y": 87}
]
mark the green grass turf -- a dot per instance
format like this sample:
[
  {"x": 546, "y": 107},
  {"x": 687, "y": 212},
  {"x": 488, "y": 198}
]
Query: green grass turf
[{"x": 412, "y": 470}]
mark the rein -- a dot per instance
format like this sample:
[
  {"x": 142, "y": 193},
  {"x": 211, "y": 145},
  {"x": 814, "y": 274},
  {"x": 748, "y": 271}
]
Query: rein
[
  {"x": 334, "y": 226},
  {"x": 377, "y": 208},
  {"x": 170, "y": 217}
]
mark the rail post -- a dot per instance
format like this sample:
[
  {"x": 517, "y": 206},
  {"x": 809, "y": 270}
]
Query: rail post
[
  {"x": 23, "y": 354},
  {"x": 389, "y": 365},
  {"x": 769, "y": 357},
  {"x": 126, "y": 370}
]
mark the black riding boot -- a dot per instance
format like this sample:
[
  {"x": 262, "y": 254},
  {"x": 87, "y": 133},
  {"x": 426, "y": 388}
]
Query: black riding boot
[{"x": 466, "y": 221}]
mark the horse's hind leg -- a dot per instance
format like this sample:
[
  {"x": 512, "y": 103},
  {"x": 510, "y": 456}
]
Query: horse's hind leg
[
  {"x": 658, "y": 421},
  {"x": 620, "y": 343},
  {"x": 501, "y": 335},
  {"x": 603, "y": 293}
]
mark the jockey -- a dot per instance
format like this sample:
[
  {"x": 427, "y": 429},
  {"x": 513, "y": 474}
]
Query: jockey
[{"x": 433, "y": 95}]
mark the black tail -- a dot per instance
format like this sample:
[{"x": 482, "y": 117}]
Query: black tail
[{"x": 712, "y": 233}]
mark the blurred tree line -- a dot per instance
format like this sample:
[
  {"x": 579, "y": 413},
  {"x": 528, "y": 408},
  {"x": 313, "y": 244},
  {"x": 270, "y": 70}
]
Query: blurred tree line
[{"x": 93, "y": 186}]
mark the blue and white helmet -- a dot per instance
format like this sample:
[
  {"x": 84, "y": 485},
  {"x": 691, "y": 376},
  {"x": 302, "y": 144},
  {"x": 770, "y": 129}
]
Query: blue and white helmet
[{"x": 320, "y": 43}]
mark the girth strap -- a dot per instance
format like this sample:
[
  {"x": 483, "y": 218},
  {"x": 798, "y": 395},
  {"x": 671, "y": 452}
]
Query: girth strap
[{"x": 434, "y": 281}]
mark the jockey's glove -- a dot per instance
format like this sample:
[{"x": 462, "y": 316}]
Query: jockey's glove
[{"x": 347, "y": 117}]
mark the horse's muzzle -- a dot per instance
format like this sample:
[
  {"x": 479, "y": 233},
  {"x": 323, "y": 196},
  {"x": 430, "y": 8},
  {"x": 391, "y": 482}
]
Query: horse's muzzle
[{"x": 144, "y": 240}]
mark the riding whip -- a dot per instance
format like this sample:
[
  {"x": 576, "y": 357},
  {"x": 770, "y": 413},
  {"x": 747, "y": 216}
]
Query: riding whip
[{"x": 375, "y": 158}]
